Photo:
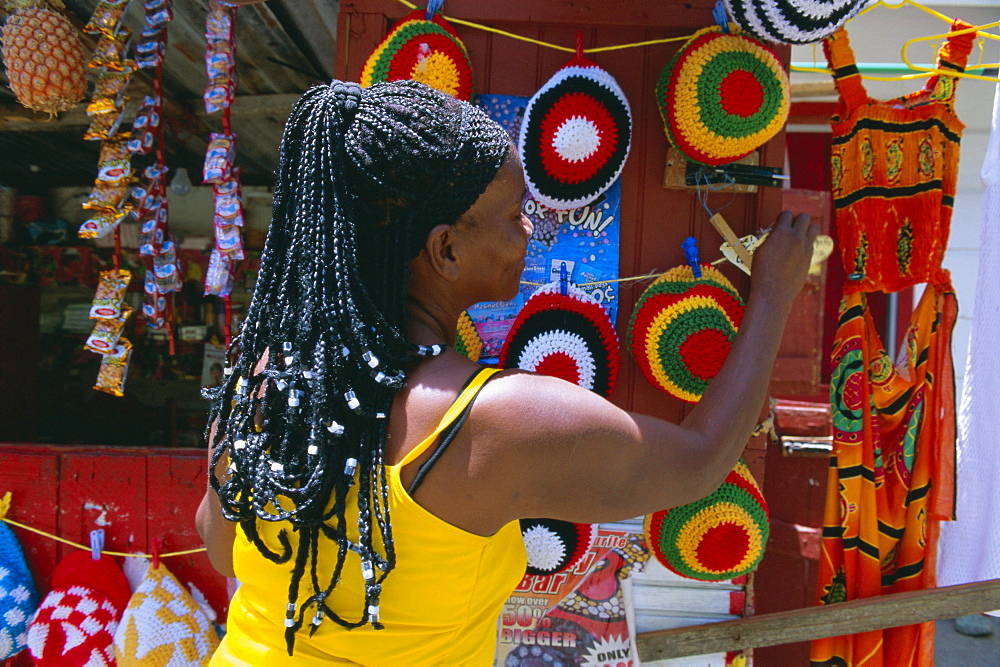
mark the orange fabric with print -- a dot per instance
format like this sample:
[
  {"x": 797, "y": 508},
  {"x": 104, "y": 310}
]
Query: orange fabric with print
[{"x": 891, "y": 476}]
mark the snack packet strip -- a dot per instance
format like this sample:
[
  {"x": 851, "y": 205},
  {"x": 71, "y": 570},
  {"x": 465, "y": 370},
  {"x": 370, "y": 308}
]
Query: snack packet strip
[
  {"x": 219, "y": 277},
  {"x": 110, "y": 51},
  {"x": 111, "y": 288},
  {"x": 166, "y": 268},
  {"x": 107, "y": 332},
  {"x": 101, "y": 224},
  {"x": 114, "y": 369},
  {"x": 106, "y": 17},
  {"x": 154, "y": 304},
  {"x": 219, "y": 158}
]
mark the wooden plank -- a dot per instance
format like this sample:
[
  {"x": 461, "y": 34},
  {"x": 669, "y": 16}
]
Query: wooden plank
[
  {"x": 176, "y": 485},
  {"x": 845, "y": 618},
  {"x": 102, "y": 491}
]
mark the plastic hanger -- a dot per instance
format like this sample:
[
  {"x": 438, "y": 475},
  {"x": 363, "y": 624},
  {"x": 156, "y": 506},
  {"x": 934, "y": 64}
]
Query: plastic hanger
[{"x": 980, "y": 29}]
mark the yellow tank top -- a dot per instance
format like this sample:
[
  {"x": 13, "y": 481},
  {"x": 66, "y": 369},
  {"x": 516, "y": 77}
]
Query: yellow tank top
[{"x": 439, "y": 605}]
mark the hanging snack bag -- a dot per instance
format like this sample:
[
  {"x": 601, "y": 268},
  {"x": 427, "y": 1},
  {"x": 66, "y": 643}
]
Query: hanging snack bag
[
  {"x": 228, "y": 204},
  {"x": 219, "y": 158},
  {"x": 107, "y": 332},
  {"x": 114, "y": 369},
  {"x": 219, "y": 277},
  {"x": 110, "y": 51},
  {"x": 104, "y": 125},
  {"x": 106, "y": 17},
  {"x": 115, "y": 164},
  {"x": 148, "y": 116},
  {"x": 100, "y": 224},
  {"x": 154, "y": 304},
  {"x": 229, "y": 241},
  {"x": 166, "y": 268},
  {"x": 150, "y": 53},
  {"x": 108, "y": 197},
  {"x": 110, "y": 89},
  {"x": 110, "y": 293},
  {"x": 155, "y": 171}
]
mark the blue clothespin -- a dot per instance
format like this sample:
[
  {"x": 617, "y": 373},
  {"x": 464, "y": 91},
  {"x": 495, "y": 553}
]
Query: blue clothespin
[
  {"x": 563, "y": 279},
  {"x": 692, "y": 256},
  {"x": 433, "y": 7},
  {"x": 96, "y": 543},
  {"x": 720, "y": 15}
]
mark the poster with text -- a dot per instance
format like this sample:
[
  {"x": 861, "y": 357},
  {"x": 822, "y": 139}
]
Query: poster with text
[
  {"x": 581, "y": 617},
  {"x": 584, "y": 239}
]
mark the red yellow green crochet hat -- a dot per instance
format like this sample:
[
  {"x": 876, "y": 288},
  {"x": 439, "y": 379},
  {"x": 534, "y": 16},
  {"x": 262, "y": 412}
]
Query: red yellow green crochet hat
[
  {"x": 682, "y": 329},
  {"x": 428, "y": 51},
  {"x": 722, "y": 96},
  {"x": 567, "y": 336},
  {"x": 575, "y": 135},
  {"x": 468, "y": 342},
  {"x": 719, "y": 537}
]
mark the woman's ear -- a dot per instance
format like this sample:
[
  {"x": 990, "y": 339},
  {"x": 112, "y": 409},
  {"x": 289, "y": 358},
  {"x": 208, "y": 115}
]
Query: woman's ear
[{"x": 442, "y": 252}]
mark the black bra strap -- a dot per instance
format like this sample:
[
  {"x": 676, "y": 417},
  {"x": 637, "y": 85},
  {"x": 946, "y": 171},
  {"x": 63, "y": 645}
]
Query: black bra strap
[{"x": 447, "y": 435}]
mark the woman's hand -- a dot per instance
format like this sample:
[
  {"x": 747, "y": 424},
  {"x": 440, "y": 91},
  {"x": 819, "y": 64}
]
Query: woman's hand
[{"x": 781, "y": 264}]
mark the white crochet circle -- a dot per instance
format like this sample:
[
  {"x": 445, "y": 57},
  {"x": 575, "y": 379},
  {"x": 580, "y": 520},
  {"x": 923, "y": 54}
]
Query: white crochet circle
[
  {"x": 568, "y": 343},
  {"x": 545, "y": 548},
  {"x": 576, "y": 139}
]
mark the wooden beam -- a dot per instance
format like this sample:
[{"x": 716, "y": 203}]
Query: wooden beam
[
  {"x": 844, "y": 618},
  {"x": 15, "y": 118}
]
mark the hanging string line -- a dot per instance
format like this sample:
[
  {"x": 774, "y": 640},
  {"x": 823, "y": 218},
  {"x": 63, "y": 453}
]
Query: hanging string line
[
  {"x": 645, "y": 276},
  {"x": 87, "y": 548},
  {"x": 652, "y": 42}
]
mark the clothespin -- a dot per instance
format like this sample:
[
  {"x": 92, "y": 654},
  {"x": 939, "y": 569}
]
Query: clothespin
[
  {"x": 723, "y": 228},
  {"x": 157, "y": 547},
  {"x": 433, "y": 7},
  {"x": 720, "y": 15},
  {"x": 96, "y": 543},
  {"x": 563, "y": 279},
  {"x": 692, "y": 256}
]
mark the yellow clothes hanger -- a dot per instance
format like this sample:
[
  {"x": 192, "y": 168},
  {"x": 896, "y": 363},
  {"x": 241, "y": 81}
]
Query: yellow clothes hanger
[{"x": 980, "y": 29}]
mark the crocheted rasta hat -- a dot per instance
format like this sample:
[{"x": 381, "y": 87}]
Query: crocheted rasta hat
[
  {"x": 682, "y": 328},
  {"x": 18, "y": 597},
  {"x": 569, "y": 337},
  {"x": 77, "y": 620},
  {"x": 575, "y": 136},
  {"x": 426, "y": 51},
  {"x": 722, "y": 96},
  {"x": 556, "y": 546},
  {"x": 468, "y": 342},
  {"x": 793, "y": 21},
  {"x": 163, "y": 625},
  {"x": 719, "y": 537}
]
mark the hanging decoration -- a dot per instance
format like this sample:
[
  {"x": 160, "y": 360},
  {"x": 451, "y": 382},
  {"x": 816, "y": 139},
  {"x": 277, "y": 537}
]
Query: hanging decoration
[
  {"x": 717, "y": 538},
  {"x": 44, "y": 60},
  {"x": 576, "y": 134},
  {"x": 77, "y": 620},
  {"x": 143, "y": 639},
  {"x": 18, "y": 596},
  {"x": 556, "y": 546},
  {"x": 468, "y": 343},
  {"x": 722, "y": 96},
  {"x": 793, "y": 21},
  {"x": 566, "y": 335},
  {"x": 682, "y": 328},
  {"x": 423, "y": 47}
]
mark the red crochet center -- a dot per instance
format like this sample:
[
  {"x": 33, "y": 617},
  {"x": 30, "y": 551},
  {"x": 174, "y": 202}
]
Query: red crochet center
[
  {"x": 722, "y": 547},
  {"x": 561, "y": 365},
  {"x": 402, "y": 62},
  {"x": 741, "y": 94},
  {"x": 577, "y": 105},
  {"x": 703, "y": 352}
]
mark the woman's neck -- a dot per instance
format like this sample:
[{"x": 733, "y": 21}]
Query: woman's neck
[{"x": 431, "y": 324}]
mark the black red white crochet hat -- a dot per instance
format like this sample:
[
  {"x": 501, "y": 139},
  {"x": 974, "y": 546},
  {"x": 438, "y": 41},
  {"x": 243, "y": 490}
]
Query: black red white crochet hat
[
  {"x": 575, "y": 135},
  {"x": 793, "y": 21},
  {"x": 566, "y": 336},
  {"x": 555, "y": 546},
  {"x": 77, "y": 620}
]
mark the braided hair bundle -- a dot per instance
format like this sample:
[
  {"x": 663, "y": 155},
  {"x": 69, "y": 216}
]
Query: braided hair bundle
[{"x": 363, "y": 176}]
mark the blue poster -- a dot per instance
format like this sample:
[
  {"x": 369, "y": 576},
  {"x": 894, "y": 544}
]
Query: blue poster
[{"x": 584, "y": 239}]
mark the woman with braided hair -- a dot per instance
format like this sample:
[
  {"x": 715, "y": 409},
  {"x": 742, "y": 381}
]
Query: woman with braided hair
[{"x": 367, "y": 505}]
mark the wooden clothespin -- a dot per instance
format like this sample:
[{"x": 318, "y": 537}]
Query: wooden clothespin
[{"x": 727, "y": 233}]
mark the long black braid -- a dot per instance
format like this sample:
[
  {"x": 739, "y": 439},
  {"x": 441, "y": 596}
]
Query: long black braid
[{"x": 363, "y": 176}]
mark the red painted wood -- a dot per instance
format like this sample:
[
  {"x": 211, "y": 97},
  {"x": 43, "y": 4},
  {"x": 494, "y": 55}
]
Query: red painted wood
[{"x": 32, "y": 479}]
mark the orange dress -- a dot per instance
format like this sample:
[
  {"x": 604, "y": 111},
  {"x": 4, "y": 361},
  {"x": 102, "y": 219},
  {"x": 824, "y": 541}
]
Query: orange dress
[{"x": 891, "y": 477}]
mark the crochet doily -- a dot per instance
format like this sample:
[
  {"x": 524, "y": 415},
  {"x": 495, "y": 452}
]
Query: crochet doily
[
  {"x": 426, "y": 51},
  {"x": 719, "y": 537},
  {"x": 555, "y": 546},
  {"x": 793, "y": 21},
  {"x": 575, "y": 136},
  {"x": 682, "y": 329},
  {"x": 569, "y": 337},
  {"x": 722, "y": 96}
]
